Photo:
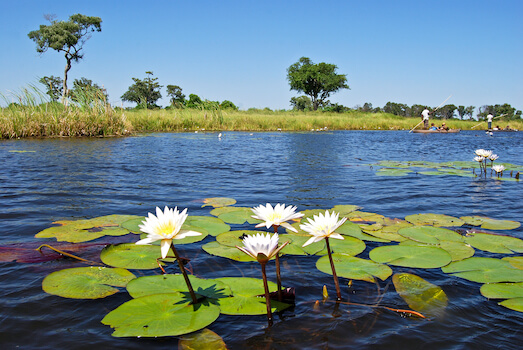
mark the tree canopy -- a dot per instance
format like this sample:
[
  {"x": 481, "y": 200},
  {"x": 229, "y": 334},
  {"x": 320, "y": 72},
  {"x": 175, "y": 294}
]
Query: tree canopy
[
  {"x": 318, "y": 81},
  {"x": 175, "y": 93},
  {"x": 67, "y": 37},
  {"x": 54, "y": 86},
  {"x": 144, "y": 92}
]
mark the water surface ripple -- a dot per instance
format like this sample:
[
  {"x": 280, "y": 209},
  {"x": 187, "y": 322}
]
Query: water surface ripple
[{"x": 55, "y": 179}]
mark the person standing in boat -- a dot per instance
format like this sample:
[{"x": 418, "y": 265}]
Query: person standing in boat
[
  {"x": 489, "y": 120},
  {"x": 425, "y": 116}
]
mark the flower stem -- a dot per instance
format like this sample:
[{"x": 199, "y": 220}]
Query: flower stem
[
  {"x": 267, "y": 298},
  {"x": 336, "y": 283},
  {"x": 278, "y": 273},
  {"x": 180, "y": 264}
]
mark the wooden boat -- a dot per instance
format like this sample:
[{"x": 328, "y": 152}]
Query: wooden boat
[{"x": 422, "y": 131}]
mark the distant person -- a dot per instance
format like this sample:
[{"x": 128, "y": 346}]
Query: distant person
[
  {"x": 489, "y": 120},
  {"x": 433, "y": 127},
  {"x": 444, "y": 127},
  {"x": 497, "y": 127},
  {"x": 425, "y": 116},
  {"x": 508, "y": 127}
]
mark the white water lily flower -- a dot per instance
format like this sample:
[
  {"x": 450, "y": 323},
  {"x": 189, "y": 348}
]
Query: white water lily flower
[
  {"x": 478, "y": 159},
  {"x": 279, "y": 215},
  {"x": 323, "y": 226},
  {"x": 165, "y": 226},
  {"x": 483, "y": 153},
  {"x": 261, "y": 247},
  {"x": 493, "y": 157},
  {"x": 498, "y": 168}
]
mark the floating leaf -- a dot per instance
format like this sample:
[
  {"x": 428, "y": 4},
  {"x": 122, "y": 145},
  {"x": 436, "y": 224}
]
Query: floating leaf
[
  {"x": 347, "y": 245},
  {"x": 217, "y": 202},
  {"x": 87, "y": 230},
  {"x": 359, "y": 216},
  {"x": 132, "y": 256},
  {"x": 513, "y": 304},
  {"x": 419, "y": 294},
  {"x": 434, "y": 220},
  {"x": 354, "y": 268},
  {"x": 86, "y": 282},
  {"x": 484, "y": 270},
  {"x": 202, "y": 340},
  {"x": 168, "y": 283},
  {"x": 235, "y": 238},
  {"x": 392, "y": 172},
  {"x": 457, "y": 250},
  {"x": 495, "y": 243},
  {"x": 502, "y": 290},
  {"x": 411, "y": 256},
  {"x": 235, "y": 215},
  {"x": 233, "y": 253},
  {"x": 296, "y": 242},
  {"x": 491, "y": 224},
  {"x": 515, "y": 261},
  {"x": 160, "y": 315},
  {"x": 213, "y": 226},
  {"x": 344, "y": 209},
  {"x": 429, "y": 234}
]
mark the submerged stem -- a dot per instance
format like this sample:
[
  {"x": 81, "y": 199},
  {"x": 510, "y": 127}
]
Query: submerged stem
[
  {"x": 267, "y": 297},
  {"x": 180, "y": 264},
  {"x": 278, "y": 274},
  {"x": 336, "y": 283}
]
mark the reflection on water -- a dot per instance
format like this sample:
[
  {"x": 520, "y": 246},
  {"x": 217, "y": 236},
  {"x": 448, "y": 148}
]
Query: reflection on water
[{"x": 83, "y": 178}]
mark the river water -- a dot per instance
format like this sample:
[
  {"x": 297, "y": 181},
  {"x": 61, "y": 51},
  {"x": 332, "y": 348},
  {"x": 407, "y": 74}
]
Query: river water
[{"x": 62, "y": 179}]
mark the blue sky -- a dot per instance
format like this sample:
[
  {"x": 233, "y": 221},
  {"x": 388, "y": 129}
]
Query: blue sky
[{"x": 412, "y": 52}]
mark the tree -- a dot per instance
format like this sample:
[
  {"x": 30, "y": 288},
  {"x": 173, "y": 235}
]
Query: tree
[
  {"x": 445, "y": 112},
  {"x": 317, "y": 81},
  {"x": 465, "y": 111},
  {"x": 84, "y": 91},
  {"x": 54, "y": 87},
  {"x": 301, "y": 103},
  {"x": 145, "y": 92},
  {"x": 67, "y": 37},
  {"x": 194, "y": 101},
  {"x": 396, "y": 108},
  {"x": 226, "y": 104},
  {"x": 175, "y": 93}
]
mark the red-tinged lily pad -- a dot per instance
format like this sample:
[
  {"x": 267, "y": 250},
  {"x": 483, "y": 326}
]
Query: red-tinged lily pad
[
  {"x": 87, "y": 230},
  {"x": 217, "y": 202},
  {"x": 86, "y": 282},
  {"x": 420, "y": 294},
  {"x": 201, "y": 340}
]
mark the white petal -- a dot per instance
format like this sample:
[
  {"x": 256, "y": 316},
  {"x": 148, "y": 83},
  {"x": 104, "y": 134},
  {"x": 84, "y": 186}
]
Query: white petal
[
  {"x": 288, "y": 227},
  {"x": 313, "y": 239},
  {"x": 147, "y": 240},
  {"x": 165, "y": 245}
]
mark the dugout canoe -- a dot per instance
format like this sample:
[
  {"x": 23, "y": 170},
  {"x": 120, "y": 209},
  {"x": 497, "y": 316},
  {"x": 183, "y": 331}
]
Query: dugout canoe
[{"x": 450, "y": 131}]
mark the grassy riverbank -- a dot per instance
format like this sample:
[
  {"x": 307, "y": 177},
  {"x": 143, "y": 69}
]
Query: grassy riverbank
[{"x": 53, "y": 120}]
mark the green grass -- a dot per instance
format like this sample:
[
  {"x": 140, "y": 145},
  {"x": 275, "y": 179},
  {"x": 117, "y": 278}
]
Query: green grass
[{"x": 30, "y": 114}]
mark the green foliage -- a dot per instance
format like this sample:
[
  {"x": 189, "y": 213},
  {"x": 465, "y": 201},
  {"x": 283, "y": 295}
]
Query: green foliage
[
  {"x": 465, "y": 111},
  {"x": 509, "y": 112},
  {"x": 175, "y": 93},
  {"x": 301, "y": 103},
  {"x": 445, "y": 112},
  {"x": 144, "y": 92},
  {"x": 68, "y": 37},
  {"x": 194, "y": 101},
  {"x": 54, "y": 86},
  {"x": 318, "y": 81},
  {"x": 226, "y": 104}
]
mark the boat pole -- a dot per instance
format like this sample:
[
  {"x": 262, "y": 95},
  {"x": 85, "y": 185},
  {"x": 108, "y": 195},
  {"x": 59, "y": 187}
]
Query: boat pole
[{"x": 492, "y": 119}]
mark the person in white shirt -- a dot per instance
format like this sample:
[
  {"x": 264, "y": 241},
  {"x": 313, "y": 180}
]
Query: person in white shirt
[
  {"x": 425, "y": 116},
  {"x": 489, "y": 120}
]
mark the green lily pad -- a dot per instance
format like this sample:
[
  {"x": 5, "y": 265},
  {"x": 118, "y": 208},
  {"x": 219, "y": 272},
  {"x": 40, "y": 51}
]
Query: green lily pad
[
  {"x": 235, "y": 215},
  {"x": 484, "y": 270},
  {"x": 515, "y": 261},
  {"x": 160, "y": 315},
  {"x": 133, "y": 256},
  {"x": 233, "y": 253},
  {"x": 213, "y": 226},
  {"x": 389, "y": 233},
  {"x": 161, "y": 284},
  {"x": 296, "y": 242},
  {"x": 354, "y": 268},
  {"x": 502, "y": 290},
  {"x": 202, "y": 340},
  {"x": 495, "y": 243},
  {"x": 457, "y": 250},
  {"x": 344, "y": 209},
  {"x": 515, "y": 304},
  {"x": 235, "y": 238},
  {"x": 247, "y": 286},
  {"x": 393, "y": 172},
  {"x": 86, "y": 282},
  {"x": 419, "y": 294},
  {"x": 411, "y": 256},
  {"x": 348, "y": 245},
  {"x": 87, "y": 230},
  {"x": 491, "y": 224},
  {"x": 430, "y": 234},
  {"x": 359, "y": 216},
  {"x": 434, "y": 220},
  {"x": 217, "y": 202}
]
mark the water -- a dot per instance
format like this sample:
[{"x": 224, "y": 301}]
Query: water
[{"x": 55, "y": 179}]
